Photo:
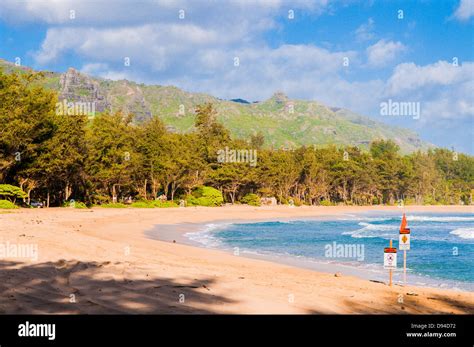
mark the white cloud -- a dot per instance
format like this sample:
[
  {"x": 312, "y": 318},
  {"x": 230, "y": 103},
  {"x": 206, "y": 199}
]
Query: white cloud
[
  {"x": 197, "y": 54},
  {"x": 147, "y": 44},
  {"x": 365, "y": 32},
  {"x": 444, "y": 91},
  {"x": 408, "y": 76},
  {"x": 296, "y": 69},
  {"x": 196, "y": 59},
  {"x": 383, "y": 52},
  {"x": 104, "y": 71},
  {"x": 465, "y": 10},
  {"x": 111, "y": 12}
]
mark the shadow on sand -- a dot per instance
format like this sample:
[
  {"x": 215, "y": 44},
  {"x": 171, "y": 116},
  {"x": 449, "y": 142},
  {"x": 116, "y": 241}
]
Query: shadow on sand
[{"x": 98, "y": 288}]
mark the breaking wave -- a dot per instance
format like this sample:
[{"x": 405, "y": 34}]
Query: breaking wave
[{"x": 464, "y": 233}]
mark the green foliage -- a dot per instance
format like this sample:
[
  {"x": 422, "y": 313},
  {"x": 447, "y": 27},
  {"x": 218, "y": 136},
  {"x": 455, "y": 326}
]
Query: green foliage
[
  {"x": 205, "y": 196},
  {"x": 11, "y": 192},
  {"x": 5, "y": 204},
  {"x": 257, "y": 141},
  {"x": 297, "y": 201},
  {"x": 251, "y": 199},
  {"x": 80, "y": 205},
  {"x": 26, "y": 118},
  {"x": 384, "y": 149},
  {"x": 142, "y": 204},
  {"x": 164, "y": 204},
  {"x": 75, "y": 204},
  {"x": 153, "y": 204},
  {"x": 114, "y": 158},
  {"x": 114, "y": 205},
  {"x": 311, "y": 124}
]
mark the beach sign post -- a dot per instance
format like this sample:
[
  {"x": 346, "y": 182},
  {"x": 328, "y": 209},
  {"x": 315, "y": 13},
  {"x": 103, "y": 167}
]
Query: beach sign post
[
  {"x": 404, "y": 244},
  {"x": 390, "y": 260}
]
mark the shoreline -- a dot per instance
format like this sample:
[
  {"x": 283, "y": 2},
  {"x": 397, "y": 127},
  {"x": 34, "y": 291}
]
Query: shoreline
[
  {"x": 105, "y": 259},
  {"x": 177, "y": 233}
]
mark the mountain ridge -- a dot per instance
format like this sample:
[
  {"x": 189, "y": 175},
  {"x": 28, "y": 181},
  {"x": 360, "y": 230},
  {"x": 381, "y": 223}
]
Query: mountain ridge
[{"x": 284, "y": 122}]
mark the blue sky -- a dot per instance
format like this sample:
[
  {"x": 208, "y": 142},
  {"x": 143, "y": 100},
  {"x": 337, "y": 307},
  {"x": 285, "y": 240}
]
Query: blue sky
[{"x": 407, "y": 59}]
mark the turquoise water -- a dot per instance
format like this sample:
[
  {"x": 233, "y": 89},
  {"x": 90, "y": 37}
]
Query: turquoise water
[{"x": 442, "y": 245}]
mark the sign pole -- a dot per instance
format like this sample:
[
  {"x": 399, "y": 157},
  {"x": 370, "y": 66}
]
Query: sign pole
[
  {"x": 390, "y": 280},
  {"x": 405, "y": 267},
  {"x": 404, "y": 245},
  {"x": 390, "y": 260}
]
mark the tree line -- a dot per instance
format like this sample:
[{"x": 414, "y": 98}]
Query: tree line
[{"x": 55, "y": 158}]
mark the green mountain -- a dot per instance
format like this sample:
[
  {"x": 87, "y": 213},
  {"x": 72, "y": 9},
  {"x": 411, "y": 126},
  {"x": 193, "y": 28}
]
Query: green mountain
[{"x": 284, "y": 122}]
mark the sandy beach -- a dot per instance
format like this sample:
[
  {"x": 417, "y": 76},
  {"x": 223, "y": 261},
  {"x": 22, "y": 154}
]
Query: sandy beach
[{"x": 100, "y": 261}]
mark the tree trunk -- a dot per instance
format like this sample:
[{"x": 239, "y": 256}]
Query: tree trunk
[
  {"x": 144, "y": 189},
  {"x": 153, "y": 187},
  {"x": 114, "y": 194},
  {"x": 67, "y": 192},
  {"x": 166, "y": 188},
  {"x": 174, "y": 187}
]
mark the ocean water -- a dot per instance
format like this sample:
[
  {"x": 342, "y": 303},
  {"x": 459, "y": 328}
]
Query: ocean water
[{"x": 441, "y": 255}]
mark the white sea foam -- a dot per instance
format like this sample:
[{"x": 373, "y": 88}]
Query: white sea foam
[
  {"x": 368, "y": 219},
  {"x": 464, "y": 233},
  {"x": 371, "y": 230},
  {"x": 439, "y": 219},
  {"x": 206, "y": 235}
]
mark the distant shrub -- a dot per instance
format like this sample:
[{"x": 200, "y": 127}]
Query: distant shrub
[
  {"x": 265, "y": 192},
  {"x": 11, "y": 192},
  {"x": 142, "y": 204},
  {"x": 409, "y": 201},
  {"x": 251, "y": 199},
  {"x": 99, "y": 199},
  {"x": 74, "y": 204},
  {"x": 432, "y": 201},
  {"x": 153, "y": 204},
  {"x": 114, "y": 205},
  {"x": 205, "y": 196},
  {"x": 163, "y": 204},
  {"x": 297, "y": 201},
  {"x": 7, "y": 204},
  {"x": 326, "y": 203},
  {"x": 375, "y": 201},
  {"x": 429, "y": 201}
]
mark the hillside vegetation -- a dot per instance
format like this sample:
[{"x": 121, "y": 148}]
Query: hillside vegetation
[
  {"x": 285, "y": 123},
  {"x": 111, "y": 160}
]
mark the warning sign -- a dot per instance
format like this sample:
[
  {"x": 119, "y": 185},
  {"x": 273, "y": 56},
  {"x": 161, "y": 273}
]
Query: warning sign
[
  {"x": 404, "y": 240},
  {"x": 390, "y": 258}
]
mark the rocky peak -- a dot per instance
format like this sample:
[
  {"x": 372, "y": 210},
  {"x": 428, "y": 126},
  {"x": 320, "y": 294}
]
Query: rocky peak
[
  {"x": 280, "y": 98},
  {"x": 77, "y": 87}
]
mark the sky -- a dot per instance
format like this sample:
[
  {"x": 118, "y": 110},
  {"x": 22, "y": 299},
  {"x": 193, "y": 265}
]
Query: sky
[{"x": 343, "y": 53}]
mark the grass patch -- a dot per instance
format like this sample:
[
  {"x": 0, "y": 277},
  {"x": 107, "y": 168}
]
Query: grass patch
[
  {"x": 7, "y": 204},
  {"x": 153, "y": 204},
  {"x": 114, "y": 205}
]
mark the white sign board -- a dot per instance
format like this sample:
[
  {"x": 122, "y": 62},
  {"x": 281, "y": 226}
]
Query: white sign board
[
  {"x": 390, "y": 260},
  {"x": 404, "y": 242}
]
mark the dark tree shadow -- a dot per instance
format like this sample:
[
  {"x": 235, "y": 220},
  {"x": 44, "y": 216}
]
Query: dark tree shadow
[
  {"x": 403, "y": 301},
  {"x": 98, "y": 288}
]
